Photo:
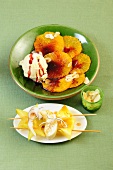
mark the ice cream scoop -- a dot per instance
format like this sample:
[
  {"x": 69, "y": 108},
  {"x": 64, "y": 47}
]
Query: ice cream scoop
[{"x": 34, "y": 66}]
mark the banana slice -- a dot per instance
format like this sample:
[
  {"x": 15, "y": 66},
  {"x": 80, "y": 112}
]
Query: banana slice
[
  {"x": 30, "y": 125},
  {"x": 51, "y": 125},
  {"x": 33, "y": 113}
]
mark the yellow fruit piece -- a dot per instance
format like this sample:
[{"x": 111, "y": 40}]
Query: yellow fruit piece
[
  {"x": 72, "y": 46},
  {"x": 67, "y": 131},
  {"x": 23, "y": 123},
  {"x": 24, "y": 120},
  {"x": 30, "y": 135},
  {"x": 22, "y": 113},
  {"x": 37, "y": 128},
  {"x": 64, "y": 112}
]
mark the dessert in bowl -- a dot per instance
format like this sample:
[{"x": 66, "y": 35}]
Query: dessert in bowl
[
  {"x": 66, "y": 58},
  {"x": 92, "y": 98}
]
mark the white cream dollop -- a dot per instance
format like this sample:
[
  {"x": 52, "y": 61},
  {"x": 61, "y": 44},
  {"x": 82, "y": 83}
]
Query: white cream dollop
[
  {"x": 51, "y": 36},
  {"x": 86, "y": 81},
  {"x": 92, "y": 96},
  {"x": 72, "y": 76},
  {"x": 35, "y": 66}
]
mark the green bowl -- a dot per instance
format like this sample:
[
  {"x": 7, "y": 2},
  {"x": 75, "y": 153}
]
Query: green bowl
[
  {"x": 92, "y": 106},
  {"x": 24, "y": 45}
]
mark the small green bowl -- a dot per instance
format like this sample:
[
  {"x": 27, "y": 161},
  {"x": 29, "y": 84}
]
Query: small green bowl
[{"x": 92, "y": 106}]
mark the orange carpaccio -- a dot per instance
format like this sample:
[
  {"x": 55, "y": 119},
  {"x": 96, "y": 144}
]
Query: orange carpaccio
[{"x": 67, "y": 64}]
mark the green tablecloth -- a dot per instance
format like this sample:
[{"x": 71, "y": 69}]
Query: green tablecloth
[{"x": 89, "y": 151}]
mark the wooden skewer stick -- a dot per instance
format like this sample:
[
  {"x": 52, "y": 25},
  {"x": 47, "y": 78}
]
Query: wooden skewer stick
[
  {"x": 72, "y": 115},
  {"x": 14, "y": 118},
  {"x": 84, "y": 114},
  {"x": 18, "y": 128},
  {"x": 77, "y": 130},
  {"x": 86, "y": 130},
  {"x": 21, "y": 128},
  {"x": 17, "y": 118}
]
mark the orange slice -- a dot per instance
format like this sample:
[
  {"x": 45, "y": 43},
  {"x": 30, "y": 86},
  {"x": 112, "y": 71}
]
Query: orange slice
[
  {"x": 56, "y": 85},
  {"x": 72, "y": 46},
  {"x": 48, "y": 45},
  {"x": 81, "y": 63},
  {"x": 59, "y": 66},
  {"x": 77, "y": 81}
]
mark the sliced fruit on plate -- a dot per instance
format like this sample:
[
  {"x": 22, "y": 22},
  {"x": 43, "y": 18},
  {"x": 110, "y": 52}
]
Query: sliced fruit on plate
[
  {"x": 66, "y": 125},
  {"x": 67, "y": 131},
  {"x": 23, "y": 123},
  {"x": 50, "y": 128},
  {"x": 22, "y": 113},
  {"x": 38, "y": 129},
  {"x": 24, "y": 118},
  {"x": 64, "y": 112}
]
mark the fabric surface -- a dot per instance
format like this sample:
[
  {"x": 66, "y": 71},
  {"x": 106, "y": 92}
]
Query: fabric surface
[{"x": 89, "y": 151}]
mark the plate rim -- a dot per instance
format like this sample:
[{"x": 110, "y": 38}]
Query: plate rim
[{"x": 47, "y": 141}]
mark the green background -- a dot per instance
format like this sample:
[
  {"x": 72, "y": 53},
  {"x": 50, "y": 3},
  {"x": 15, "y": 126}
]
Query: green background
[{"x": 89, "y": 151}]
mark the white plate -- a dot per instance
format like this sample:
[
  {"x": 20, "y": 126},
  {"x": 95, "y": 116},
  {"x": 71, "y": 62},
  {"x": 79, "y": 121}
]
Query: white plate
[{"x": 80, "y": 120}]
